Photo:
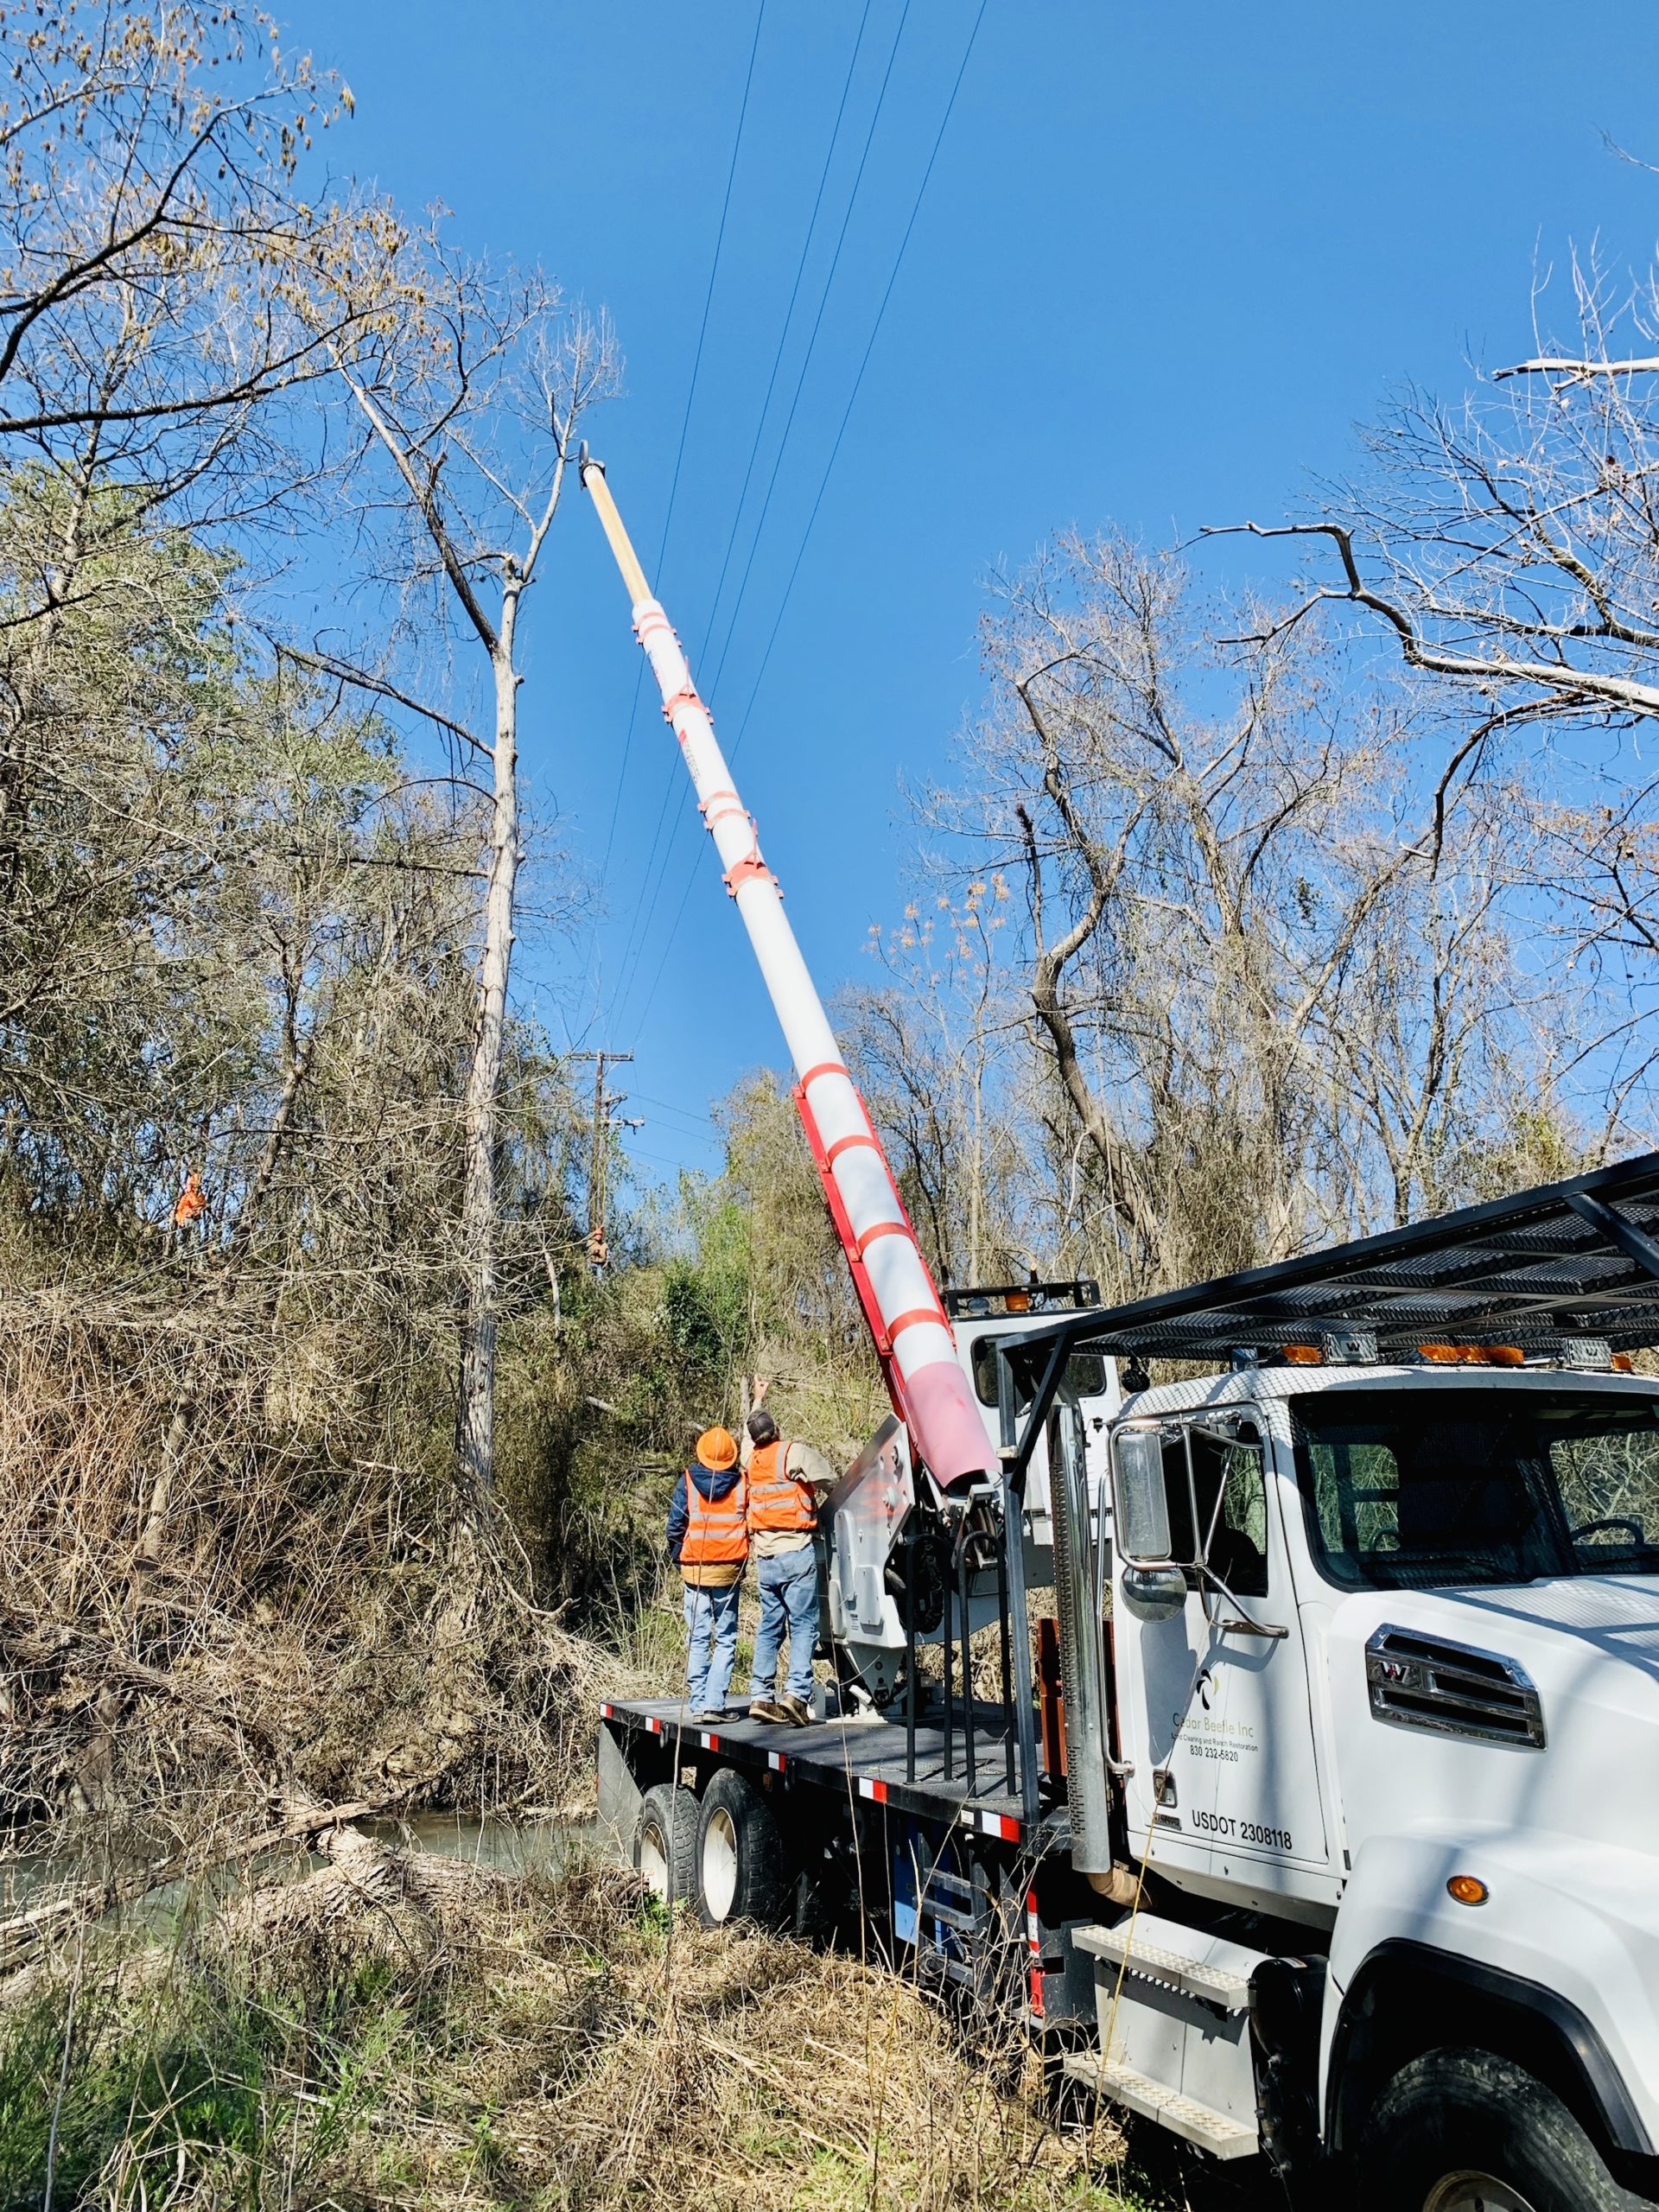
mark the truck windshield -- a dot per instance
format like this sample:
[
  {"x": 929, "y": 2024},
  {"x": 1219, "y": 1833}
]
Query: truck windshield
[{"x": 1408, "y": 1490}]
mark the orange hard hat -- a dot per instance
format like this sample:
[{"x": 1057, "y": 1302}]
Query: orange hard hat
[{"x": 717, "y": 1449}]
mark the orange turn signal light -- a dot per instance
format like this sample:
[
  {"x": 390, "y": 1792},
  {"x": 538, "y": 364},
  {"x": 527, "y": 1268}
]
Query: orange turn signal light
[
  {"x": 1018, "y": 1301},
  {"x": 1622, "y": 1364},
  {"x": 1472, "y": 1355},
  {"x": 1467, "y": 1888},
  {"x": 1302, "y": 1356}
]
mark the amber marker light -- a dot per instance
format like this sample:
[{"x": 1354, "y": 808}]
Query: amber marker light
[
  {"x": 1303, "y": 1356},
  {"x": 1017, "y": 1301},
  {"x": 1622, "y": 1364},
  {"x": 1504, "y": 1355},
  {"x": 1467, "y": 1888}
]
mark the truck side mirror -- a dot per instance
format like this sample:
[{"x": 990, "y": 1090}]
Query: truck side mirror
[
  {"x": 1140, "y": 1501},
  {"x": 1153, "y": 1593}
]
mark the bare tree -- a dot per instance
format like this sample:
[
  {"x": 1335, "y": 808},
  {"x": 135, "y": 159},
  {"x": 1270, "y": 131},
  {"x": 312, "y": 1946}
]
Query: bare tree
[
  {"x": 159, "y": 263},
  {"x": 1269, "y": 972},
  {"x": 469, "y": 395},
  {"x": 1509, "y": 547},
  {"x": 1510, "y": 543},
  {"x": 931, "y": 1047}
]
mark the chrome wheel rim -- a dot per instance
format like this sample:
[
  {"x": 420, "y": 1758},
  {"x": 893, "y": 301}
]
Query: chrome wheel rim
[
  {"x": 1472, "y": 2192},
  {"x": 654, "y": 1861},
  {"x": 718, "y": 1864}
]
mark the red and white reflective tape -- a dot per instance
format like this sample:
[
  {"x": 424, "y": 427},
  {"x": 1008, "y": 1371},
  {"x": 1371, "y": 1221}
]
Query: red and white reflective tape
[
  {"x": 653, "y": 1723},
  {"x": 878, "y": 1790},
  {"x": 709, "y": 1743},
  {"x": 607, "y": 1713},
  {"x": 1035, "y": 1945},
  {"x": 997, "y": 1824},
  {"x": 775, "y": 1760}
]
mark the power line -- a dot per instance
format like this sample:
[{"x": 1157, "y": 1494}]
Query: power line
[
  {"x": 668, "y": 1106},
  {"x": 851, "y": 396},
  {"x": 834, "y": 450},
  {"x": 789, "y": 312},
  {"x": 685, "y": 421},
  {"x": 806, "y": 358},
  {"x": 658, "y": 872}
]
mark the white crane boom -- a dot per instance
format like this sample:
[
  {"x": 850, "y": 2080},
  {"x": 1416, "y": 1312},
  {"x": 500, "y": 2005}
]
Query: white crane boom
[{"x": 913, "y": 1337}]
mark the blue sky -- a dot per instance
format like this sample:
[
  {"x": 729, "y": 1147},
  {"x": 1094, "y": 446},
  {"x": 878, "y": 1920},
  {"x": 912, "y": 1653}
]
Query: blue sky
[{"x": 1167, "y": 256}]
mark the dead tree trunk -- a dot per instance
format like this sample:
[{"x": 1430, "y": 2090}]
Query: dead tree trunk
[{"x": 475, "y": 1415}]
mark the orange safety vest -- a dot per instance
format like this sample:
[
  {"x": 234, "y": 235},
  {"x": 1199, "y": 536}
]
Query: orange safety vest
[
  {"x": 715, "y": 1532},
  {"x": 778, "y": 1500}
]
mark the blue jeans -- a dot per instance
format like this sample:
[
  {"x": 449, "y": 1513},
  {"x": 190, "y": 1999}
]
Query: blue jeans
[
  {"x": 789, "y": 1598},
  {"x": 710, "y": 1621}
]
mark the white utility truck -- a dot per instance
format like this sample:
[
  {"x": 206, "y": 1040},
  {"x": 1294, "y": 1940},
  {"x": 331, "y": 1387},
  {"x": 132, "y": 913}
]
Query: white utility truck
[{"x": 1314, "y": 1818}]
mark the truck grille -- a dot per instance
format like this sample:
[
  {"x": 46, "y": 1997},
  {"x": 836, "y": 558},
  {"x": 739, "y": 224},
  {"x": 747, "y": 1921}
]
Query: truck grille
[{"x": 1418, "y": 1681}]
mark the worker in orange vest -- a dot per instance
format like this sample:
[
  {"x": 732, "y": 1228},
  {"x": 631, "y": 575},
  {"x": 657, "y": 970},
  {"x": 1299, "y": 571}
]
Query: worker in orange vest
[
  {"x": 785, "y": 1482},
  {"x": 709, "y": 1540},
  {"x": 193, "y": 1202}
]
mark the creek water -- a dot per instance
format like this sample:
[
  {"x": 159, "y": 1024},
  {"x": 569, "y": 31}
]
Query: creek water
[
  {"x": 32, "y": 1882},
  {"x": 524, "y": 1847}
]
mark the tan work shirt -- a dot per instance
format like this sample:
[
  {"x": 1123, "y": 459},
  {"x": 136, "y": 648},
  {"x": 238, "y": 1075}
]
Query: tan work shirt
[{"x": 806, "y": 1465}]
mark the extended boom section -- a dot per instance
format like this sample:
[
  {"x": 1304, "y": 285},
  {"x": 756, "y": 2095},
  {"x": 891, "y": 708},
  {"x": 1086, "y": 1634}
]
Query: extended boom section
[{"x": 913, "y": 1337}]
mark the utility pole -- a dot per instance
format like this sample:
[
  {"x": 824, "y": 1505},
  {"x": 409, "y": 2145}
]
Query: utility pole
[{"x": 604, "y": 1120}]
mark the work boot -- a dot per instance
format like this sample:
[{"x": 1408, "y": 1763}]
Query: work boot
[
  {"x": 770, "y": 1710},
  {"x": 796, "y": 1709}
]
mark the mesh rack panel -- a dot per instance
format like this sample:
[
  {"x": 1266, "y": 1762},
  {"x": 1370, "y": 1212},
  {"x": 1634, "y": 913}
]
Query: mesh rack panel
[{"x": 1566, "y": 1259}]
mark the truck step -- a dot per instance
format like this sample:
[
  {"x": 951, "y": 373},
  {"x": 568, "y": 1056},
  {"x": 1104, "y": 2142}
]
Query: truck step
[
  {"x": 1194, "y": 2123},
  {"x": 1187, "y": 1963}
]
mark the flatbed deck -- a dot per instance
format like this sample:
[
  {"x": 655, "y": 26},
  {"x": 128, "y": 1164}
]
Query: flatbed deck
[{"x": 862, "y": 1758}]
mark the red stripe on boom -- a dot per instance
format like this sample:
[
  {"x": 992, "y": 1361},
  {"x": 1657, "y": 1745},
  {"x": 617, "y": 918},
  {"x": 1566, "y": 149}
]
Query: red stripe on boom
[
  {"x": 846, "y": 1144},
  {"x": 881, "y": 1228},
  {"x": 917, "y": 1314}
]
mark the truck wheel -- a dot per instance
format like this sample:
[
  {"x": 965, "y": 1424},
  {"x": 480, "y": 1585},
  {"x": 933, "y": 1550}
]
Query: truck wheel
[
  {"x": 1461, "y": 2130},
  {"x": 742, "y": 1869},
  {"x": 665, "y": 1841}
]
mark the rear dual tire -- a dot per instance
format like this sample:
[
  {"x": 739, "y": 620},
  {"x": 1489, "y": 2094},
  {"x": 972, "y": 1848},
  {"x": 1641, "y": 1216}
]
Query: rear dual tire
[
  {"x": 665, "y": 1842},
  {"x": 742, "y": 1868}
]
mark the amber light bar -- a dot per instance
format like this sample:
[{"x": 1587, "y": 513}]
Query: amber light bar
[{"x": 1472, "y": 1355}]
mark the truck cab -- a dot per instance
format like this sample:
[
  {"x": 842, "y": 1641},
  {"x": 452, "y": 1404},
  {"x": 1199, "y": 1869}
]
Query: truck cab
[{"x": 1386, "y": 1658}]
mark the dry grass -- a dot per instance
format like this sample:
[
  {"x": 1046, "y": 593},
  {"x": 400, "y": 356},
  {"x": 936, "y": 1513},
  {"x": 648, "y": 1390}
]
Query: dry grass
[{"x": 406, "y": 2032}]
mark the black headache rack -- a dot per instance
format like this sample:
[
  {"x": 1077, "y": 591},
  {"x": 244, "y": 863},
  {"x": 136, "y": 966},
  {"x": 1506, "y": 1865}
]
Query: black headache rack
[
  {"x": 1563, "y": 1260},
  {"x": 977, "y": 1301}
]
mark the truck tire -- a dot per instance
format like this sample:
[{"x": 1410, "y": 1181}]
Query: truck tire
[
  {"x": 1462, "y": 2131},
  {"x": 743, "y": 1872},
  {"x": 665, "y": 1841}
]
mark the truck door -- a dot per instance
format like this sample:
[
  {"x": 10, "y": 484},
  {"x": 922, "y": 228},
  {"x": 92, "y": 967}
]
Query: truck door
[{"x": 1212, "y": 1677}]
